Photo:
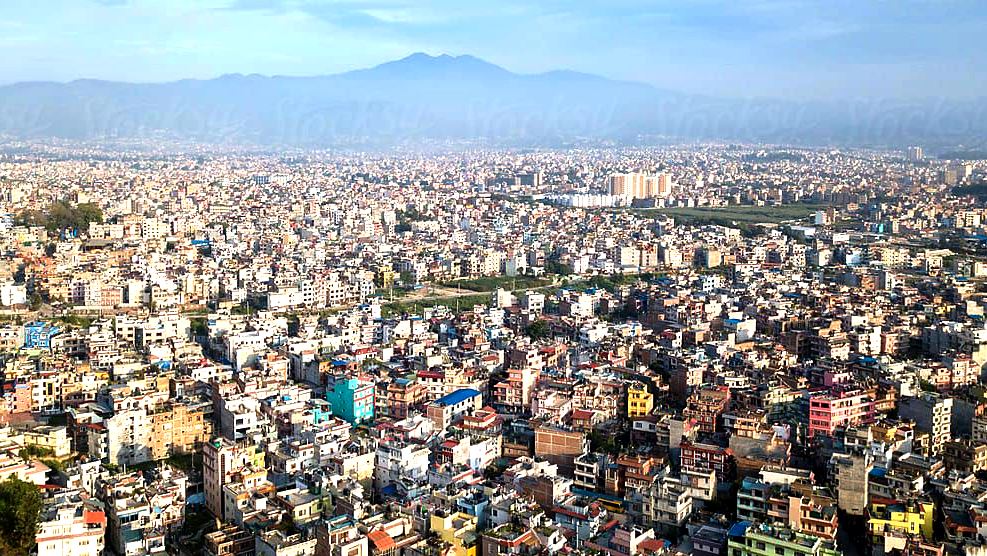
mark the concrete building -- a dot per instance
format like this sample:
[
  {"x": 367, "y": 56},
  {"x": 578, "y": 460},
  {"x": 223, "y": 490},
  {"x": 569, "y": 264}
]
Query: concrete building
[{"x": 932, "y": 413}]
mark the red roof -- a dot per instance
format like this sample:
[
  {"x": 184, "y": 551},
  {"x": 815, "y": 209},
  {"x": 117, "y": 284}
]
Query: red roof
[
  {"x": 582, "y": 414},
  {"x": 94, "y": 517},
  {"x": 382, "y": 541}
]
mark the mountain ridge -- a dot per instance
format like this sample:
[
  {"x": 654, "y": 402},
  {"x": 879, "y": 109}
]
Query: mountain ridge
[{"x": 452, "y": 98}]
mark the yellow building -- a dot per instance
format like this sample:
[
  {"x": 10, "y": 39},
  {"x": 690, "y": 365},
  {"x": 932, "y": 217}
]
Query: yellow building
[
  {"x": 640, "y": 402},
  {"x": 385, "y": 278},
  {"x": 910, "y": 518},
  {"x": 458, "y": 529},
  {"x": 179, "y": 428}
]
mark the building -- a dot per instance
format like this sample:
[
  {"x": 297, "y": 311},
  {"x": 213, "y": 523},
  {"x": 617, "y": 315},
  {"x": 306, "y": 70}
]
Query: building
[
  {"x": 703, "y": 458},
  {"x": 886, "y": 517},
  {"x": 965, "y": 456},
  {"x": 71, "y": 527},
  {"x": 451, "y": 407},
  {"x": 638, "y": 185},
  {"x": 38, "y": 334},
  {"x": 221, "y": 461},
  {"x": 827, "y": 412},
  {"x": 278, "y": 543},
  {"x": 560, "y": 446},
  {"x": 458, "y": 530},
  {"x": 351, "y": 399},
  {"x": 932, "y": 413},
  {"x": 229, "y": 540},
  {"x": 851, "y": 474},
  {"x": 748, "y": 538},
  {"x": 639, "y": 400}
]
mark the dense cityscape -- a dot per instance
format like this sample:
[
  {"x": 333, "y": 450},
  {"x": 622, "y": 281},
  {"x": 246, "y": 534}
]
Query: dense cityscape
[{"x": 710, "y": 349}]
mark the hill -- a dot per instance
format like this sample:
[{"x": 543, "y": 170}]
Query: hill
[{"x": 443, "y": 98}]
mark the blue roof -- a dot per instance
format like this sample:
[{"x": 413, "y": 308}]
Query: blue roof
[
  {"x": 878, "y": 472},
  {"x": 739, "y": 529},
  {"x": 457, "y": 396}
]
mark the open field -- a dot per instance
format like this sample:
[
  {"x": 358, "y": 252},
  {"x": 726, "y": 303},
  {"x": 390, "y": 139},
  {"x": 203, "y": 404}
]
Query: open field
[
  {"x": 491, "y": 283},
  {"x": 739, "y": 214},
  {"x": 398, "y": 307}
]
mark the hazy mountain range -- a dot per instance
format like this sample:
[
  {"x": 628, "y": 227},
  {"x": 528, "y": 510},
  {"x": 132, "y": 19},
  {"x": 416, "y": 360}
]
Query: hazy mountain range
[{"x": 424, "y": 97}]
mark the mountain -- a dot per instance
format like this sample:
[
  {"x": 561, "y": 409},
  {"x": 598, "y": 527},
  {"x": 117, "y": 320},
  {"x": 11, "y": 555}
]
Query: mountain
[{"x": 424, "y": 97}]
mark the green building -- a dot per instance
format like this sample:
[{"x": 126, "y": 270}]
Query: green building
[{"x": 758, "y": 539}]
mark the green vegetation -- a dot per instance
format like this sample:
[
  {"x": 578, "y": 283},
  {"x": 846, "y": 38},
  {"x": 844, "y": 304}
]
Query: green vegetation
[
  {"x": 778, "y": 156},
  {"x": 54, "y": 464},
  {"x": 57, "y": 420},
  {"x": 77, "y": 321},
  {"x": 185, "y": 462},
  {"x": 736, "y": 215},
  {"x": 197, "y": 523},
  {"x": 491, "y": 283},
  {"x": 34, "y": 452},
  {"x": 199, "y": 326},
  {"x": 974, "y": 189},
  {"x": 537, "y": 330},
  {"x": 973, "y": 154},
  {"x": 61, "y": 215},
  {"x": 412, "y": 307},
  {"x": 20, "y": 512},
  {"x": 609, "y": 443},
  {"x": 406, "y": 217},
  {"x": 612, "y": 281}
]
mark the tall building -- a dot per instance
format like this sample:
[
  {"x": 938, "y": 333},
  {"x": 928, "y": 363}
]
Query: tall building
[
  {"x": 221, "y": 460},
  {"x": 637, "y": 185},
  {"x": 827, "y": 412},
  {"x": 639, "y": 400},
  {"x": 850, "y": 473},
  {"x": 351, "y": 398},
  {"x": 932, "y": 413},
  {"x": 915, "y": 154}
]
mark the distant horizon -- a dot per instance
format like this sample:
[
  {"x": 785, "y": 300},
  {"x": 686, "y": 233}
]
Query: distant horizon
[
  {"x": 777, "y": 49},
  {"x": 981, "y": 96}
]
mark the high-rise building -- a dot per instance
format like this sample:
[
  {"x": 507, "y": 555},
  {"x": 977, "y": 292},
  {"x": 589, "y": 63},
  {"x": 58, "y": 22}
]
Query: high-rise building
[
  {"x": 915, "y": 154},
  {"x": 932, "y": 413},
  {"x": 221, "y": 460},
  {"x": 637, "y": 185}
]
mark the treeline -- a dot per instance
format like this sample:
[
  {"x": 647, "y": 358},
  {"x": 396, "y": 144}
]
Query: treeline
[
  {"x": 62, "y": 215},
  {"x": 964, "y": 155},
  {"x": 975, "y": 189}
]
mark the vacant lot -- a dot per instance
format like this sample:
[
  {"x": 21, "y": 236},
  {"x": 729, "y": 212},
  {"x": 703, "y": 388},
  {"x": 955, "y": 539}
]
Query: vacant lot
[
  {"x": 740, "y": 214},
  {"x": 491, "y": 283}
]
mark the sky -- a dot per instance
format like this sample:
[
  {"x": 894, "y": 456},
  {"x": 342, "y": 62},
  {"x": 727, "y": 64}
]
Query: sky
[{"x": 788, "y": 49}]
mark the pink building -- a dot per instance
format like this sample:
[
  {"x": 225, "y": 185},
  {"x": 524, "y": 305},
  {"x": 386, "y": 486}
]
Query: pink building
[{"x": 827, "y": 412}]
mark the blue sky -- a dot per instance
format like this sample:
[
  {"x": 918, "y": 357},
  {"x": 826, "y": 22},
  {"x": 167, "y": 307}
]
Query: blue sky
[{"x": 769, "y": 48}]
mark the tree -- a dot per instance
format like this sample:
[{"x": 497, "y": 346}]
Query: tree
[
  {"x": 61, "y": 215},
  {"x": 537, "y": 330},
  {"x": 20, "y": 512}
]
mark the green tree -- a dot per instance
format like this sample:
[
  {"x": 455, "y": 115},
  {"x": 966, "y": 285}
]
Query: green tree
[
  {"x": 61, "y": 215},
  {"x": 537, "y": 330},
  {"x": 20, "y": 512}
]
